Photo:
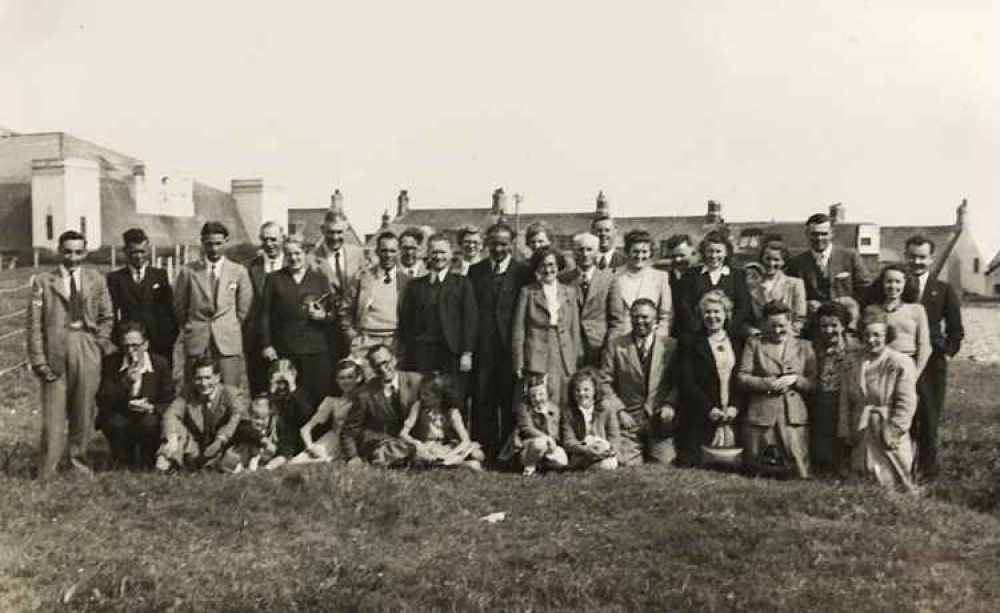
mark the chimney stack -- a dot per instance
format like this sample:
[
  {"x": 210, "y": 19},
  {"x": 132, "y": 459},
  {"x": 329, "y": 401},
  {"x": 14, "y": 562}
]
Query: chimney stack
[
  {"x": 385, "y": 221},
  {"x": 714, "y": 214},
  {"x": 603, "y": 206},
  {"x": 838, "y": 214},
  {"x": 337, "y": 202},
  {"x": 962, "y": 214},
  {"x": 402, "y": 203},
  {"x": 499, "y": 203}
]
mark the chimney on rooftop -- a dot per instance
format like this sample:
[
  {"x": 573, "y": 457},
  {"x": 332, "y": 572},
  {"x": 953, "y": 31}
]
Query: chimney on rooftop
[
  {"x": 385, "y": 221},
  {"x": 713, "y": 215},
  {"x": 402, "y": 203},
  {"x": 838, "y": 214},
  {"x": 337, "y": 202},
  {"x": 603, "y": 206},
  {"x": 962, "y": 214},
  {"x": 499, "y": 209}
]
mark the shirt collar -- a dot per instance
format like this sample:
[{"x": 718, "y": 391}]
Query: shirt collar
[
  {"x": 147, "y": 364},
  {"x": 502, "y": 265},
  {"x": 64, "y": 273},
  {"x": 441, "y": 274},
  {"x": 724, "y": 271},
  {"x": 217, "y": 264},
  {"x": 822, "y": 255}
]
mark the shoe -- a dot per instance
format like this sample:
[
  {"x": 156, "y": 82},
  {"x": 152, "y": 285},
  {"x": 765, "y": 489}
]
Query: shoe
[
  {"x": 80, "y": 467},
  {"x": 162, "y": 464},
  {"x": 529, "y": 471}
]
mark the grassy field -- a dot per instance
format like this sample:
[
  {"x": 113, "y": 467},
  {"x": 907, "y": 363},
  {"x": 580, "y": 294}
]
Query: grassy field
[{"x": 332, "y": 539}]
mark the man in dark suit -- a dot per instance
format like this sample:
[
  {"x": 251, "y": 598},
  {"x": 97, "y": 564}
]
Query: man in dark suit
[
  {"x": 136, "y": 387},
  {"x": 141, "y": 293},
  {"x": 371, "y": 430},
  {"x": 497, "y": 282},
  {"x": 271, "y": 259},
  {"x": 828, "y": 272},
  {"x": 593, "y": 286},
  {"x": 944, "y": 314},
  {"x": 608, "y": 258},
  {"x": 683, "y": 255}
]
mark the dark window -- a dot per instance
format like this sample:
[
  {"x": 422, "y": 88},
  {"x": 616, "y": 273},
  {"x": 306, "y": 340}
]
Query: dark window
[
  {"x": 293, "y": 228},
  {"x": 866, "y": 241},
  {"x": 975, "y": 265},
  {"x": 664, "y": 250},
  {"x": 49, "y": 233}
]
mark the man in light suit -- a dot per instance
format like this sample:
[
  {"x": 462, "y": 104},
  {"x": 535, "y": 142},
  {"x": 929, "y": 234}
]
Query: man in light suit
[
  {"x": 828, "y": 272},
  {"x": 593, "y": 288},
  {"x": 141, "y": 293},
  {"x": 944, "y": 314},
  {"x": 68, "y": 333},
  {"x": 371, "y": 431},
  {"x": 375, "y": 299},
  {"x": 608, "y": 258},
  {"x": 341, "y": 263},
  {"x": 271, "y": 259},
  {"x": 635, "y": 373},
  {"x": 212, "y": 299}
]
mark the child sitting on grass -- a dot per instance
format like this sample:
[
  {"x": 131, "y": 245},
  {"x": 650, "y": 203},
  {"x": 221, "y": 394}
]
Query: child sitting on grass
[
  {"x": 435, "y": 428},
  {"x": 535, "y": 440},
  {"x": 330, "y": 416},
  {"x": 589, "y": 429},
  {"x": 256, "y": 440}
]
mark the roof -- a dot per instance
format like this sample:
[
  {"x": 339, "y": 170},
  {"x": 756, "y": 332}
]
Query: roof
[
  {"x": 894, "y": 239},
  {"x": 994, "y": 264},
  {"x": 308, "y": 222}
]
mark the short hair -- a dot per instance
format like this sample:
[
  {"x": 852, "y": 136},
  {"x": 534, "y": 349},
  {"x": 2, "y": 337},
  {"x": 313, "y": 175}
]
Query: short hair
[
  {"x": 414, "y": 233},
  {"x": 716, "y": 237},
  {"x": 833, "y": 309},
  {"x": 585, "y": 238},
  {"x": 599, "y": 218},
  {"x": 774, "y": 243},
  {"x": 439, "y": 237},
  {"x": 911, "y": 289},
  {"x": 501, "y": 227},
  {"x": 539, "y": 256},
  {"x": 295, "y": 239},
  {"x": 677, "y": 240},
  {"x": 214, "y": 227},
  {"x": 637, "y": 236},
  {"x": 775, "y": 307},
  {"x": 539, "y": 227},
  {"x": 262, "y": 399},
  {"x": 124, "y": 327},
  {"x": 642, "y": 302},
  {"x": 716, "y": 296},
  {"x": 272, "y": 224},
  {"x": 375, "y": 349},
  {"x": 384, "y": 236},
  {"x": 876, "y": 315},
  {"x": 466, "y": 230},
  {"x": 533, "y": 380},
  {"x": 818, "y": 218},
  {"x": 332, "y": 217},
  {"x": 134, "y": 236},
  {"x": 586, "y": 373},
  {"x": 920, "y": 240},
  {"x": 349, "y": 364},
  {"x": 205, "y": 361},
  {"x": 71, "y": 235}
]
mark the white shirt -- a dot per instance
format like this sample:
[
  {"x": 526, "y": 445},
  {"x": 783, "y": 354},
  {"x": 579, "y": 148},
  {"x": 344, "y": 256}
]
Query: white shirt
[
  {"x": 922, "y": 280},
  {"x": 500, "y": 268},
  {"x": 823, "y": 257},
  {"x": 390, "y": 388},
  {"x": 138, "y": 274},
  {"x": 147, "y": 366},
  {"x": 276, "y": 264},
  {"x": 715, "y": 275},
  {"x": 66, "y": 277},
  {"x": 605, "y": 256},
  {"x": 588, "y": 419},
  {"x": 588, "y": 275},
  {"x": 551, "y": 292},
  {"x": 382, "y": 273},
  {"x": 332, "y": 259},
  {"x": 214, "y": 268},
  {"x": 644, "y": 343},
  {"x": 439, "y": 276}
]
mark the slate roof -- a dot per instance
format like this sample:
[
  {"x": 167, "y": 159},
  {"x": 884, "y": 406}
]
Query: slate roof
[
  {"x": 308, "y": 221},
  {"x": 994, "y": 264}
]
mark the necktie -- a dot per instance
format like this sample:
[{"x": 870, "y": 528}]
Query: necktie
[
  {"x": 388, "y": 278},
  {"x": 434, "y": 279},
  {"x": 137, "y": 275},
  {"x": 338, "y": 269},
  {"x": 213, "y": 282},
  {"x": 75, "y": 301},
  {"x": 584, "y": 287},
  {"x": 602, "y": 263}
]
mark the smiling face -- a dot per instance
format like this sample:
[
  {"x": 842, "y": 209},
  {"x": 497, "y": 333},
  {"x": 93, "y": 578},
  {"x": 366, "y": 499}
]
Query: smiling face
[
  {"x": 134, "y": 345},
  {"x": 713, "y": 317},
  {"x": 638, "y": 256},
  {"x": 387, "y": 252},
  {"x": 409, "y": 250},
  {"x": 548, "y": 269},
  {"x": 874, "y": 338},
  {"x": 500, "y": 245},
  {"x": 538, "y": 240},
  {"x": 270, "y": 241},
  {"x": 604, "y": 230},
  {"x": 643, "y": 319},
  {"x": 682, "y": 257},
  {"x": 438, "y": 255},
  {"x": 333, "y": 235},
  {"x": 137, "y": 254},
  {"x": 777, "y": 326},
  {"x": 538, "y": 396},
  {"x": 205, "y": 380},
  {"x": 212, "y": 246},
  {"x": 820, "y": 235},
  {"x": 830, "y": 330},
  {"x": 295, "y": 256},
  {"x": 893, "y": 283},
  {"x": 260, "y": 414},
  {"x": 472, "y": 245},
  {"x": 72, "y": 252},
  {"x": 773, "y": 262},
  {"x": 347, "y": 380},
  {"x": 584, "y": 393},
  {"x": 715, "y": 255},
  {"x": 919, "y": 258},
  {"x": 383, "y": 364}
]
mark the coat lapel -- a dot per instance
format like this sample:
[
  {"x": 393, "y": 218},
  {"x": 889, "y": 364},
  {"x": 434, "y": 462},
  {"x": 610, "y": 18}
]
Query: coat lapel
[{"x": 58, "y": 287}]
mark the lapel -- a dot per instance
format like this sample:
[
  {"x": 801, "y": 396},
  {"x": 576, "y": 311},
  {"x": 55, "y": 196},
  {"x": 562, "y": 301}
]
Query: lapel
[
  {"x": 200, "y": 270},
  {"x": 196, "y": 413},
  {"x": 567, "y": 300},
  {"x": 655, "y": 363},
  {"x": 771, "y": 352},
  {"x": 932, "y": 296},
  {"x": 257, "y": 273},
  {"x": 538, "y": 297},
  {"x": 58, "y": 287},
  {"x": 598, "y": 286},
  {"x": 401, "y": 279}
]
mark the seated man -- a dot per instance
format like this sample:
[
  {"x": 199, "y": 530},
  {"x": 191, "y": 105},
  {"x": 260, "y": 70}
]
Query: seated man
[
  {"x": 199, "y": 425},
  {"x": 136, "y": 387},
  {"x": 371, "y": 431},
  {"x": 635, "y": 375}
]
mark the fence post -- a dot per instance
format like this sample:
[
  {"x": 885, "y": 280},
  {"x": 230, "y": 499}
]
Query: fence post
[
  {"x": 152, "y": 253},
  {"x": 170, "y": 269},
  {"x": 113, "y": 251},
  {"x": 36, "y": 257}
]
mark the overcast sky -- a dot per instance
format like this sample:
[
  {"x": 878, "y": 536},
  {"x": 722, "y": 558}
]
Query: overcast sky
[{"x": 774, "y": 108}]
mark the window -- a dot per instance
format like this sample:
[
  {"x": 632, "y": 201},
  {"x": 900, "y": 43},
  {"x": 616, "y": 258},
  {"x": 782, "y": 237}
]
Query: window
[
  {"x": 49, "y": 233},
  {"x": 975, "y": 265},
  {"x": 749, "y": 239},
  {"x": 564, "y": 243},
  {"x": 293, "y": 228},
  {"x": 83, "y": 226},
  {"x": 866, "y": 241}
]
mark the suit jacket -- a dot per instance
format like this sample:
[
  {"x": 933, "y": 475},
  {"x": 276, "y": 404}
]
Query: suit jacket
[
  {"x": 624, "y": 377},
  {"x": 225, "y": 410},
  {"x": 418, "y": 270},
  {"x": 789, "y": 290},
  {"x": 530, "y": 346},
  {"x": 284, "y": 323},
  {"x": 698, "y": 385},
  {"x": 115, "y": 389},
  {"x": 372, "y": 417},
  {"x": 48, "y": 316},
  {"x": 149, "y": 303},
  {"x": 653, "y": 284},
  {"x": 695, "y": 284},
  {"x": 533, "y": 424},
  {"x": 353, "y": 264},
  {"x": 496, "y": 300},
  {"x": 618, "y": 260},
  {"x": 573, "y": 428},
  {"x": 252, "y": 324},
  {"x": 594, "y": 311},
  {"x": 456, "y": 312},
  {"x": 205, "y": 318},
  {"x": 893, "y": 386},
  {"x": 359, "y": 297},
  {"x": 761, "y": 361},
  {"x": 846, "y": 275},
  {"x": 944, "y": 315}
]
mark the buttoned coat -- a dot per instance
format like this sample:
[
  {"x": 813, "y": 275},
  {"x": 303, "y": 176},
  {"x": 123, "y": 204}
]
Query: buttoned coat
[
  {"x": 372, "y": 417},
  {"x": 624, "y": 379},
  {"x": 150, "y": 302},
  {"x": 185, "y": 415},
  {"x": 594, "y": 312},
  {"x": 790, "y": 291},
  {"x": 48, "y": 316},
  {"x": 763, "y": 361},
  {"x": 456, "y": 311},
  {"x": 205, "y": 319},
  {"x": 893, "y": 386},
  {"x": 573, "y": 428},
  {"x": 496, "y": 301},
  {"x": 847, "y": 275},
  {"x": 695, "y": 284},
  {"x": 530, "y": 346}
]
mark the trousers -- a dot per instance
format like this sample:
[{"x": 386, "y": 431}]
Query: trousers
[{"x": 70, "y": 398}]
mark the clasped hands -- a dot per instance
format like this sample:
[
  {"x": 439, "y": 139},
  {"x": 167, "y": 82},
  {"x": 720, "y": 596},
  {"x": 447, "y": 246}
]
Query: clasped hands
[
  {"x": 627, "y": 422},
  {"x": 725, "y": 415},
  {"x": 780, "y": 385}
]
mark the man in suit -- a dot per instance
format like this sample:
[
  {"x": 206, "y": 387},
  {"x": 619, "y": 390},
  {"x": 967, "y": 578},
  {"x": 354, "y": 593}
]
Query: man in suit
[
  {"x": 593, "y": 287},
  {"x": 371, "y": 431},
  {"x": 212, "y": 299},
  {"x": 438, "y": 322},
  {"x": 136, "y": 387},
  {"x": 603, "y": 227},
  {"x": 497, "y": 282},
  {"x": 828, "y": 272},
  {"x": 683, "y": 256},
  {"x": 341, "y": 263},
  {"x": 141, "y": 293},
  {"x": 270, "y": 259},
  {"x": 68, "y": 333},
  {"x": 375, "y": 298},
  {"x": 470, "y": 241},
  {"x": 635, "y": 373},
  {"x": 199, "y": 424},
  {"x": 944, "y": 314},
  {"x": 411, "y": 241}
]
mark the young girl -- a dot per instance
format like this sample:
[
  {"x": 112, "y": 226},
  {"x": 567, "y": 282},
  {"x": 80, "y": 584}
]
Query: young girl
[
  {"x": 435, "y": 429},
  {"x": 330, "y": 415},
  {"x": 589, "y": 430},
  {"x": 536, "y": 439},
  {"x": 292, "y": 406},
  {"x": 256, "y": 440}
]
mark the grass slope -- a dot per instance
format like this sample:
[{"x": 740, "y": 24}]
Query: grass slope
[{"x": 333, "y": 539}]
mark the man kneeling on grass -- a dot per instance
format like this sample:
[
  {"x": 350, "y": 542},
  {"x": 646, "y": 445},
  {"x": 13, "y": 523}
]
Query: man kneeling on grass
[{"x": 199, "y": 425}]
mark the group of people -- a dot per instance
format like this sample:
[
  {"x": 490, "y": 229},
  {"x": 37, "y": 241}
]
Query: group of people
[{"x": 467, "y": 355}]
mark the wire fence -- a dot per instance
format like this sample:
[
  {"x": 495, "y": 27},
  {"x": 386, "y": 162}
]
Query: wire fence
[{"x": 9, "y": 297}]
